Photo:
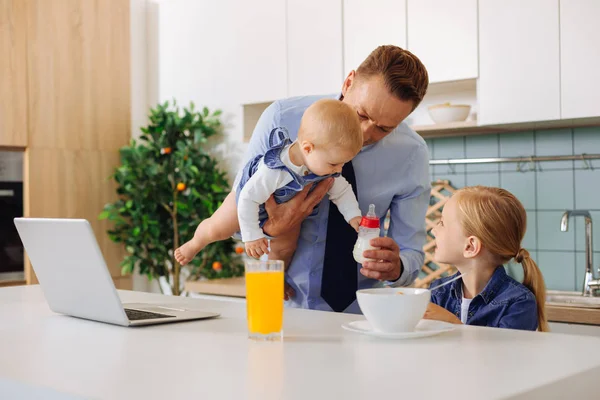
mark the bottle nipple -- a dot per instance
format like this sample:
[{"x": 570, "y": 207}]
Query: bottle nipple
[
  {"x": 371, "y": 213},
  {"x": 370, "y": 220}
]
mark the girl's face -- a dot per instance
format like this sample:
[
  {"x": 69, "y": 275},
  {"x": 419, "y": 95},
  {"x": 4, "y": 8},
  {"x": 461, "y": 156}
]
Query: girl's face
[{"x": 451, "y": 241}]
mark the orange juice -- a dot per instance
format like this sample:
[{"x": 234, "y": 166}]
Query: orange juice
[{"x": 264, "y": 301}]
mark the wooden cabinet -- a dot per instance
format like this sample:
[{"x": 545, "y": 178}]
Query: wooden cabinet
[
  {"x": 261, "y": 28},
  {"x": 314, "y": 47},
  {"x": 580, "y": 58},
  {"x": 368, "y": 24},
  {"x": 13, "y": 73},
  {"x": 78, "y": 111},
  {"x": 443, "y": 34},
  {"x": 78, "y": 75},
  {"x": 519, "y": 71}
]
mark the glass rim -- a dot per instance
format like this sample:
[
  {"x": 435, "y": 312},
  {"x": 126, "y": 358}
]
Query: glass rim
[
  {"x": 263, "y": 262},
  {"x": 263, "y": 265}
]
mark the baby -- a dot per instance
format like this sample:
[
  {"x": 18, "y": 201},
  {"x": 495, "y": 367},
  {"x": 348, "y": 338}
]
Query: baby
[{"x": 328, "y": 137}]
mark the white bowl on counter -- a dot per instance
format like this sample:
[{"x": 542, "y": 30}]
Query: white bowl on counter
[
  {"x": 393, "y": 310},
  {"x": 444, "y": 113}
]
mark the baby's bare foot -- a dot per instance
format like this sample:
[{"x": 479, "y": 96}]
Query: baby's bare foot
[{"x": 187, "y": 252}]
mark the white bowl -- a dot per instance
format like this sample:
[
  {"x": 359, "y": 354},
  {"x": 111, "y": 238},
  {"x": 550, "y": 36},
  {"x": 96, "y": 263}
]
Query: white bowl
[
  {"x": 444, "y": 113},
  {"x": 392, "y": 310}
]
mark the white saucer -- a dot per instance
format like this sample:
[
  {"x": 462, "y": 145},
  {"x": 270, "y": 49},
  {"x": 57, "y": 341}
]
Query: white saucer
[{"x": 424, "y": 328}]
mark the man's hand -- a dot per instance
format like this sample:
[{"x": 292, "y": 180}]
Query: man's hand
[
  {"x": 440, "y": 314},
  {"x": 285, "y": 216},
  {"x": 288, "y": 291},
  {"x": 257, "y": 248},
  {"x": 386, "y": 264}
]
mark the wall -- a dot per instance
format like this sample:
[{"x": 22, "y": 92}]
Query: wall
[
  {"x": 545, "y": 191},
  {"x": 193, "y": 58}
]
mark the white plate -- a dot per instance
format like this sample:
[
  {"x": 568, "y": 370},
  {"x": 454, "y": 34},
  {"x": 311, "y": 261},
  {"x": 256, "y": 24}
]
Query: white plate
[{"x": 425, "y": 327}]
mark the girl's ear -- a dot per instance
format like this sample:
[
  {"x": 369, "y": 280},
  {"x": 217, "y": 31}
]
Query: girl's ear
[{"x": 472, "y": 247}]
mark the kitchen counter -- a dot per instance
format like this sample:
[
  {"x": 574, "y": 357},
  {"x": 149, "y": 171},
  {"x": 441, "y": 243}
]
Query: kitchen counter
[
  {"x": 53, "y": 355},
  {"x": 573, "y": 315},
  {"x": 235, "y": 287}
]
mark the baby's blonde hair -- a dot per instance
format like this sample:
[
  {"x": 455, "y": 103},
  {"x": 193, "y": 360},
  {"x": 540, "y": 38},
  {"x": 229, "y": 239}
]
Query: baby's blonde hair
[
  {"x": 499, "y": 220},
  {"x": 330, "y": 122}
]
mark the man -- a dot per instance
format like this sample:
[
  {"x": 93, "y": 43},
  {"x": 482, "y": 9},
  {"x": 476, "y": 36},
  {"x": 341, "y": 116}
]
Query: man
[{"x": 391, "y": 171}]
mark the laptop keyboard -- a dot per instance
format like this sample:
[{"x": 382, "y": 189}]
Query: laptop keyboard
[{"x": 136, "y": 315}]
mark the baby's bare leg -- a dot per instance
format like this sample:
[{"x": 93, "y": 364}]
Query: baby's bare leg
[
  {"x": 284, "y": 246},
  {"x": 220, "y": 226}
]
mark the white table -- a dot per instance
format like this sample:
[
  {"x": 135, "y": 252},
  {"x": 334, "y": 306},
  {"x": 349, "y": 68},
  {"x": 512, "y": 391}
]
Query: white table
[{"x": 41, "y": 352}]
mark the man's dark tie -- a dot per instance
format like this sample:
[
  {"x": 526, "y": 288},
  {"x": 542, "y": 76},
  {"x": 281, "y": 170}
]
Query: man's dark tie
[{"x": 340, "y": 279}]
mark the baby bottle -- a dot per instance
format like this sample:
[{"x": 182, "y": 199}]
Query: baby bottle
[{"x": 369, "y": 229}]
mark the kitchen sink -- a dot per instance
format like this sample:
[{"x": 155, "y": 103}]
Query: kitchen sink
[{"x": 571, "y": 299}]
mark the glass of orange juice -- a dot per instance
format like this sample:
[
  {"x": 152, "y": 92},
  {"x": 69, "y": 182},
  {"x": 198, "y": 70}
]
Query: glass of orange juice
[{"x": 264, "y": 299}]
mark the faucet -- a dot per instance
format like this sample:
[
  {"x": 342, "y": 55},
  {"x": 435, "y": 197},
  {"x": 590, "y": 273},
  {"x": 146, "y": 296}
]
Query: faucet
[{"x": 590, "y": 285}]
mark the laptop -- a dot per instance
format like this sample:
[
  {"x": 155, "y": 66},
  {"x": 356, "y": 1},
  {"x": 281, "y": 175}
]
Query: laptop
[{"x": 73, "y": 275}]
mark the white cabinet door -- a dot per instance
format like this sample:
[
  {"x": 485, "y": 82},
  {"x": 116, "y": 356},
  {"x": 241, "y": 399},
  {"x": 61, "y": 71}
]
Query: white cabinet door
[
  {"x": 443, "y": 34},
  {"x": 580, "y": 58},
  {"x": 314, "y": 45},
  {"x": 261, "y": 48},
  {"x": 368, "y": 24},
  {"x": 519, "y": 77}
]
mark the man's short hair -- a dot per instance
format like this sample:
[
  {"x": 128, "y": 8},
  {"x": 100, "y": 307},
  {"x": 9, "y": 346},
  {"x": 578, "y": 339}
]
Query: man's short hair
[{"x": 404, "y": 74}]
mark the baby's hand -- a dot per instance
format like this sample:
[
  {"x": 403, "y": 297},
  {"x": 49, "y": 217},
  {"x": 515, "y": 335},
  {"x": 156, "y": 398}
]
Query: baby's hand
[
  {"x": 257, "y": 248},
  {"x": 355, "y": 222}
]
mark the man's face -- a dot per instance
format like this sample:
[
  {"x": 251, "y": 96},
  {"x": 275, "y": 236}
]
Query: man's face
[{"x": 379, "y": 111}]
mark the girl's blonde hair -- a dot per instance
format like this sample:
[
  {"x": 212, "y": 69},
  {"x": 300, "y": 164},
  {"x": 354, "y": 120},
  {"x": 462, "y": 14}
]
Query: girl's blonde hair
[{"x": 499, "y": 220}]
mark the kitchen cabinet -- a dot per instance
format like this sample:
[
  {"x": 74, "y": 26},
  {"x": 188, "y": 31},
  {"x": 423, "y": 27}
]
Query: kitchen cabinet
[
  {"x": 519, "y": 61},
  {"x": 78, "y": 108},
  {"x": 261, "y": 28},
  {"x": 580, "y": 58},
  {"x": 13, "y": 73},
  {"x": 314, "y": 45},
  {"x": 449, "y": 49},
  {"x": 368, "y": 24}
]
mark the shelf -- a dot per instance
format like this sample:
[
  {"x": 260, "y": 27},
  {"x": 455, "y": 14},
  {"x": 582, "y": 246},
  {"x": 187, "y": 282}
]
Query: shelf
[
  {"x": 444, "y": 129},
  {"x": 12, "y": 283},
  {"x": 470, "y": 128},
  {"x": 233, "y": 287},
  {"x": 252, "y": 113}
]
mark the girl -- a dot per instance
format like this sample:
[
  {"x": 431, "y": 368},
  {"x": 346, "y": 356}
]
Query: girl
[{"x": 481, "y": 228}]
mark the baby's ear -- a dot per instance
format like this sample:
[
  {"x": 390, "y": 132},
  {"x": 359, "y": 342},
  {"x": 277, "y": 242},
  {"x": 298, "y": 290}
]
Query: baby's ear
[
  {"x": 472, "y": 247},
  {"x": 307, "y": 147}
]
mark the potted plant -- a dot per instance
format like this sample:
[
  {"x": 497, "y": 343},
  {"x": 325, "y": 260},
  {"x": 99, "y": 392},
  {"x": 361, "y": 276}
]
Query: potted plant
[{"x": 167, "y": 183}]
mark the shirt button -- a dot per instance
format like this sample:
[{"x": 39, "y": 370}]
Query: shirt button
[{"x": 305, "y": 173}]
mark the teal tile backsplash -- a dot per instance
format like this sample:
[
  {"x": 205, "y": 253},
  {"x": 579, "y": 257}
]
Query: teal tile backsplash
[
  {"x": 482, "y": 146},
  {"x": 546, "y": 189},
  {"x": 555, "y": 190},
  {"x": 558, "y": 268},
  {"x": 556, "y": 142},
  {"x": 549, "y": 235},
  {"x": 522, "y": 185},
  {"x": 587, "y": 189}
]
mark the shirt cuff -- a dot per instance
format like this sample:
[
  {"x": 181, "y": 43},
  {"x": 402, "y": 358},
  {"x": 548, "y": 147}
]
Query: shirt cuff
[
  {"x": 250, "y": 235},
  {"x": 404, "y": 276}
]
